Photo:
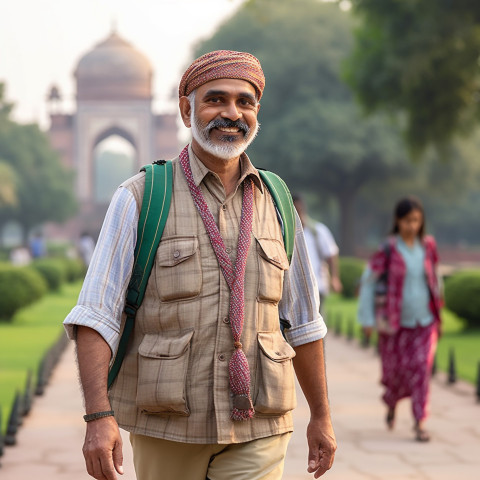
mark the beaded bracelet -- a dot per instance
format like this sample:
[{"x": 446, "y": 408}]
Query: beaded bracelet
[{"x": 97, "y": 415}]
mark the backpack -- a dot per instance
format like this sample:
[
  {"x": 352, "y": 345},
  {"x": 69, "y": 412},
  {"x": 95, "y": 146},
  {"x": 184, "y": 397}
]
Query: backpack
[{"x": 152, "y": 220}]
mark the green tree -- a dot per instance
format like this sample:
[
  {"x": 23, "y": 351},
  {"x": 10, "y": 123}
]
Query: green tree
[
  {"x": 312, "y": 133},
  {"x": 8, "y": 188},
  {"x": 44, "y": 189},
  {"x": 419, "y": 58},
  {"x": 449, "y": 191}
]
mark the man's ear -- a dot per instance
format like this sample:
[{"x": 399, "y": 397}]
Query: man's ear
[{"x": 185, "y": 111}]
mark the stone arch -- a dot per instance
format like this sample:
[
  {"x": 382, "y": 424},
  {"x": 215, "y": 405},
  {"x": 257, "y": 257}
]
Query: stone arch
[
  {"x": 111, "y": 131},
  {"x": 111, "y": 166}
]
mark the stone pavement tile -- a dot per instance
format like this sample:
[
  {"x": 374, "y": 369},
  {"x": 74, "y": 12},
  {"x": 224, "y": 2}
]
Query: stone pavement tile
[
  {"x": 29, "y": 471},
  {"x": 344, "y": 471},
  {"x": 429, "y": 454},
  {"x": 452, "y": 471},
  {"x": 379, "y": 464}
]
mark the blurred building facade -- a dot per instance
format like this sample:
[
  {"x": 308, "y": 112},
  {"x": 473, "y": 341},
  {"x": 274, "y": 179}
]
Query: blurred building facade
[{"x": 113, "y": 100}]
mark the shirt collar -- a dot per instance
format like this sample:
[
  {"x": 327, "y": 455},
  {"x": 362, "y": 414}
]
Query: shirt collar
[{"x": 199, "y": 170}]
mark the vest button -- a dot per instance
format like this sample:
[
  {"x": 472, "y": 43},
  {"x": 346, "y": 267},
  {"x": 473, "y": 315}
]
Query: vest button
[
  {"x": 226, "y": 320},
  {"x": 228, "y": 249},
  {"x": 176, "y": 253},
  {"x": 221, "y": 357},
  {"x": 224, "y": 207}
]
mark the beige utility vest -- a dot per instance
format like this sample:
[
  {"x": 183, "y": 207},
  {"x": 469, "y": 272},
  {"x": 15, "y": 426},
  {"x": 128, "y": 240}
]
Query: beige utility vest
[{"x": 173, "y": 383}]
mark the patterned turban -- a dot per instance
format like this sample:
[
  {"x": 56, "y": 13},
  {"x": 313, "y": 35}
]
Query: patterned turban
[{"x": 222, "y": 64}]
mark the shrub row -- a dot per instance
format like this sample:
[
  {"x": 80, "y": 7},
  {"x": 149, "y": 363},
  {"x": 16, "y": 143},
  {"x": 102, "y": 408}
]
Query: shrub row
[
  {"x": 462, "y": 296},
  {"x": 21, "y": 286},
  {"x": 351, "y": 270}
]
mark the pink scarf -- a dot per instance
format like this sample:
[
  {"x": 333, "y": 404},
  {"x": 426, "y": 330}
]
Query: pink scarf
[{"x": 239, "y": 371}]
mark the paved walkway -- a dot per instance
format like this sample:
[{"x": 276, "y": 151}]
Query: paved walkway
[{"x": 50, "y": 440}]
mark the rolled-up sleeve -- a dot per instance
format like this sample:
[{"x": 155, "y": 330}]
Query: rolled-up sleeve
[
  {"x": 300, "y": 300},
  {"x": 101, "y": 300}
]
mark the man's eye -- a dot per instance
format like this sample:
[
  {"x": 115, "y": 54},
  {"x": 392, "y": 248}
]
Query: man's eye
[
  {"x": 214, "y": 100},
  {"x": 246, "y": 102}
]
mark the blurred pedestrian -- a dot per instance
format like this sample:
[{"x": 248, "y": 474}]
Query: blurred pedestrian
[
  {"x": 400, "y": 297},
  {"x": 86, "y": 247},
  {"x": 20, "y": 256},
  {"x": 37, "y": 246},
  {"x": 322, "y": 250}
]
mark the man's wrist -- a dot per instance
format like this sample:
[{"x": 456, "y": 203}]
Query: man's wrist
[
  {"x": 95, "y": 416},
  {"x": 321, "y": 414}
]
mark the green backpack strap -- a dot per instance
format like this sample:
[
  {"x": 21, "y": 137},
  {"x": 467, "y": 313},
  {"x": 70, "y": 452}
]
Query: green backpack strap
[
  {"x": 284, "y": 204},
  {"x": 153, "y": 217}
]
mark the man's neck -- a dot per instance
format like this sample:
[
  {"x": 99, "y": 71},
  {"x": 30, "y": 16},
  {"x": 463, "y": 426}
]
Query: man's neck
[{"x": 228, "y": 170}]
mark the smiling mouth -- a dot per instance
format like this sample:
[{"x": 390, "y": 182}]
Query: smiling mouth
[{"x": 228, "y": 129}]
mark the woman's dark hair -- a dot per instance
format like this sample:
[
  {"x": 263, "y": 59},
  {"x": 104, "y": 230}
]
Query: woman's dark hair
[{"x": 403, "y": 208}]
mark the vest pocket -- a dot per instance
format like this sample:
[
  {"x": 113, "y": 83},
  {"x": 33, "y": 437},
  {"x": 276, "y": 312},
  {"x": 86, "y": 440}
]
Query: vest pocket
[
  {"x": 162, "y": 371},
  {"x": 273, "y": 262},
  {"x": 275, "y": 377},
  {"x": 178, "y": 272}
]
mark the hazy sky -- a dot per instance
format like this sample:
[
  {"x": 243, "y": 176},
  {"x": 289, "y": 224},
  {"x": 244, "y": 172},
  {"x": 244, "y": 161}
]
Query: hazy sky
[{"x": 41, "y": 42}]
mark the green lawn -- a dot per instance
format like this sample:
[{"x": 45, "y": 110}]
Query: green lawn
[
  {"x": 24, "y": 341},
  {"x": 465, "y": 342}
]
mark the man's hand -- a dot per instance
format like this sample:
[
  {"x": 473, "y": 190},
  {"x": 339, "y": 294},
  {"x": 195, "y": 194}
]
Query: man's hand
[
  {"x": 321, "y": 446},
  {"x": 310, "y": 369},
  {"x": 336, "y": 284},
  {"x": 103, "y": 449}
]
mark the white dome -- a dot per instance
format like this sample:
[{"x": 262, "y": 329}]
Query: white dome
[{"x": 114, "y": 70}]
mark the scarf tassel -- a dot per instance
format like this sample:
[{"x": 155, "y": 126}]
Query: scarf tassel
[{"x": 240, "y": 386}]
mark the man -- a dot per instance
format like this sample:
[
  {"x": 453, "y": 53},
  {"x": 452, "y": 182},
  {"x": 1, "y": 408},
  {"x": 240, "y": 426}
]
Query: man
[
  {"x": 322, "y": 250},
  {"x": 206, "y": 388}
]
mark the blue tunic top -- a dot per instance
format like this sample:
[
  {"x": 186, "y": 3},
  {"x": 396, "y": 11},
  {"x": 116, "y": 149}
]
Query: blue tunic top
[{"x": 415, "y": 293}]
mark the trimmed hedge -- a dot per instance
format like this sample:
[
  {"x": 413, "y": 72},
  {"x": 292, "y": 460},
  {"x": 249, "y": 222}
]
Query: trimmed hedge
[
  {"x": 351, "y": 270},
  {"x": 462, "y": 296},
  {"x": 74, "y": 269},
  {"x": 53, "y": 270},
  {"x": 19, "y": 287}
]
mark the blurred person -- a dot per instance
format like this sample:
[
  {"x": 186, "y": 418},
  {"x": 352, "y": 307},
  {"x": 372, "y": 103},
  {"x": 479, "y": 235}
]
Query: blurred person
[
  {"x": 400, "y": 297},
  {"x": 322, "y": 250},
  {"x": 37, "y": 246},
  {"x": 86, "y": 247},
  {"x": 20, "y": 256},
  {"x": 185, "y": 391}
]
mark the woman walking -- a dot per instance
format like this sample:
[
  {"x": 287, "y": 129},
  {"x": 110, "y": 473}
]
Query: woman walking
[{"x": 400, "y": 297}]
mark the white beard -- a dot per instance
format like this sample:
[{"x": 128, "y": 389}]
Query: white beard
[{"x": 226, "y": 150}]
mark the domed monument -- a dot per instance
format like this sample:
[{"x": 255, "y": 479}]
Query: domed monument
[
  {"x": 114, "y": 70},
  {"x": 113, "y": 131}
]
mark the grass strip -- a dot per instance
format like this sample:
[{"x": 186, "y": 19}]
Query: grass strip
[{"x": 25, "y": 339}]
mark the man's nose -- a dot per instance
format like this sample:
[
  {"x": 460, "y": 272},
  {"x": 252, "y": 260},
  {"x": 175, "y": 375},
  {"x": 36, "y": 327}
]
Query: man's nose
[{"x": 231, "y": 111}]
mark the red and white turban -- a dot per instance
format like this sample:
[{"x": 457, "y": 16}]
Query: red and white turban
[{"x": 222, "y": 64}]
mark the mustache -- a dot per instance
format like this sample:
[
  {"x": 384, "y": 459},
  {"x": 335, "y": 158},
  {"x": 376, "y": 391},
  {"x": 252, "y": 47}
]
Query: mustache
[{"x": 226, "y": 123}]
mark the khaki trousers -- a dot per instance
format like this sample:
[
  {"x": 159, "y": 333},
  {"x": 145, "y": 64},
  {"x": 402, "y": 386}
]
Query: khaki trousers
[{"x": 158, "y": 459}]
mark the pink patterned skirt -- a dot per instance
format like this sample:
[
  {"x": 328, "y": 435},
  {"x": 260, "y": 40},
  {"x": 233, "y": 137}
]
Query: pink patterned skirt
[{"x": 407, "y": 358}]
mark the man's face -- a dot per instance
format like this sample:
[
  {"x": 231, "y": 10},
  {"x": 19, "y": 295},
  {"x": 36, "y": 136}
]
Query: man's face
[{"x": 223, "y": 117}]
